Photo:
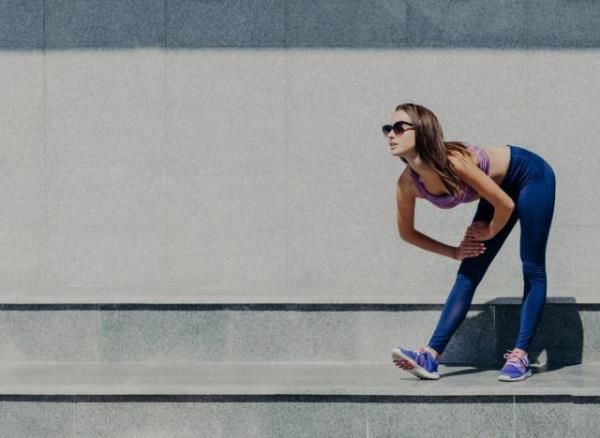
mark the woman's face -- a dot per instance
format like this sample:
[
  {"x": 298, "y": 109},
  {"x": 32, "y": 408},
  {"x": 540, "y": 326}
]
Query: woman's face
[{"x": 401, "y": 143}]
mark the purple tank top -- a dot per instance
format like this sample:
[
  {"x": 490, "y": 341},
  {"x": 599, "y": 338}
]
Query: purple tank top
[{"x": 449, "y": 201}]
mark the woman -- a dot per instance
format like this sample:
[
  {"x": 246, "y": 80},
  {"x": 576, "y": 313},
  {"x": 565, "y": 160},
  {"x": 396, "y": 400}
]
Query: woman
[{"x": 511, "y": 183}]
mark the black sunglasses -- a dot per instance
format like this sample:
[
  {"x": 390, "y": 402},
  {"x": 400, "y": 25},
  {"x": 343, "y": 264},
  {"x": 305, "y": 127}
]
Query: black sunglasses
[{"x": 397, "y": 127}]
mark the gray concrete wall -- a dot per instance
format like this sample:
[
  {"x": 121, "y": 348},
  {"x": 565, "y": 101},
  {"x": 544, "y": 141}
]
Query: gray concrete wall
[{"x": 238, "y": 143}]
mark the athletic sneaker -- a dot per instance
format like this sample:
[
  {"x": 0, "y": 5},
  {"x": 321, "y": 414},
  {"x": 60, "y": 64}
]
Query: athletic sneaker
[
  {"x": 421, "y": 363},
  {"x": 516, "y": 367}
]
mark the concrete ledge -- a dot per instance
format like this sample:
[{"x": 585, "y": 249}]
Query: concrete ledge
[
  {"x": 568, "y": 333},
  {"x": 272, "y": 381}
]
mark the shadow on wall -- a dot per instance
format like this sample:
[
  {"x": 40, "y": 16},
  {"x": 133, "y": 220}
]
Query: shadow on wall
[
  {"x": 558, "y": 340},
  {"x": 72, "y": 24}
]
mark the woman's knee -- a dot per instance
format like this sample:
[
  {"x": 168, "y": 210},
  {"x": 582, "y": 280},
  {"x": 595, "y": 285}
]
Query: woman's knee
[
  {"x": 534, "y": 270},
  {"x": 468, "y": 276}
]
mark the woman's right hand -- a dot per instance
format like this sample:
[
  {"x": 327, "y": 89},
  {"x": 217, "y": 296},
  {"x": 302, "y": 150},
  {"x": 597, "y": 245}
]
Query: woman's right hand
[{"x": 468, "y": 248}]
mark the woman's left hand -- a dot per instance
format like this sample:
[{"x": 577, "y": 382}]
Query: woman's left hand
[{"x": 479, "y": 230}]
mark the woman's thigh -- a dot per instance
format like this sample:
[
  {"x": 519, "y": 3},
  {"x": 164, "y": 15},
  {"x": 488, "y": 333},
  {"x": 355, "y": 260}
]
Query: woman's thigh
[
  {"x": 478, "y": 265},
  {"x": 535, "y": 206}
]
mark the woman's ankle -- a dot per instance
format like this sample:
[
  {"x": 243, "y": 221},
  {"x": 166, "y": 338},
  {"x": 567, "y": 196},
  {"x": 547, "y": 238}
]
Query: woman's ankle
[{"x": 434, "y": 352}]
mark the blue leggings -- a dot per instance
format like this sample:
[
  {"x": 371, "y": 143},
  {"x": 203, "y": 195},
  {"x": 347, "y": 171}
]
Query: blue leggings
[{"x": 531, "y": 183}]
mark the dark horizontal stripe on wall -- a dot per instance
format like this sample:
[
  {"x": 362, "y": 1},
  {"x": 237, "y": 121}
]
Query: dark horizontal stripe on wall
[
  {"x": 564, "y": 308},
  {"x": 505, "y": 24},
  {"x": 298, "y": 398}
]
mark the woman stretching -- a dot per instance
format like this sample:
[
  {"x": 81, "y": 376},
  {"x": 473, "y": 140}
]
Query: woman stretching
[{"x": 511, "y": 183}]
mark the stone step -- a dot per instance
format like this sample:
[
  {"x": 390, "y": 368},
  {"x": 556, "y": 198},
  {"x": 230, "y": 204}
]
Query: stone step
[
  {"x": 273, "y": 379},
  {"x": 235, "y": 399},
  {"x": 148, "y": 325}
]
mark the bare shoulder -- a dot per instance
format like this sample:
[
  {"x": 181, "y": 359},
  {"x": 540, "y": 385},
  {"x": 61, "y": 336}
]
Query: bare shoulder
[
  {"x": 405, "y": 189},
  {"x": 462, "y": 163},
  {"x": 455, "y": 156}
]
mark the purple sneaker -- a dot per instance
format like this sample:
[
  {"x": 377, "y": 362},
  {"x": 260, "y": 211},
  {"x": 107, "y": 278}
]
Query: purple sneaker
[
  {"x": 516, "y": 367},
  {"x": 421, "y": 363}
]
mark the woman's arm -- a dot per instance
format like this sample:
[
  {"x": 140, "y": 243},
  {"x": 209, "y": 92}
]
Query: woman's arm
[
  {"x": 487, "y": 188},
  {"x": 405, "y": 198},
  {"x": 423, "y": 241}
]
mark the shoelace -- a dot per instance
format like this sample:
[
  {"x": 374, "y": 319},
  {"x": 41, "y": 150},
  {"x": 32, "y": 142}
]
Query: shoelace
[
  {"x": 421, "y": 357},
  {"x": 516, "y": 358}
]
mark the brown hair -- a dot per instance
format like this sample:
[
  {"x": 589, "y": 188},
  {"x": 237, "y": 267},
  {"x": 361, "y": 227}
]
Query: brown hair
[{"x": 431, "y": 147}]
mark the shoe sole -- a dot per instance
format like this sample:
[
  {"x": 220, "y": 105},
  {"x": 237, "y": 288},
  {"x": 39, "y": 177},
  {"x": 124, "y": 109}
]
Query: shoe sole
[
  {"x": 505, "y": 378},
  {"x": 414, "y": 368}
]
